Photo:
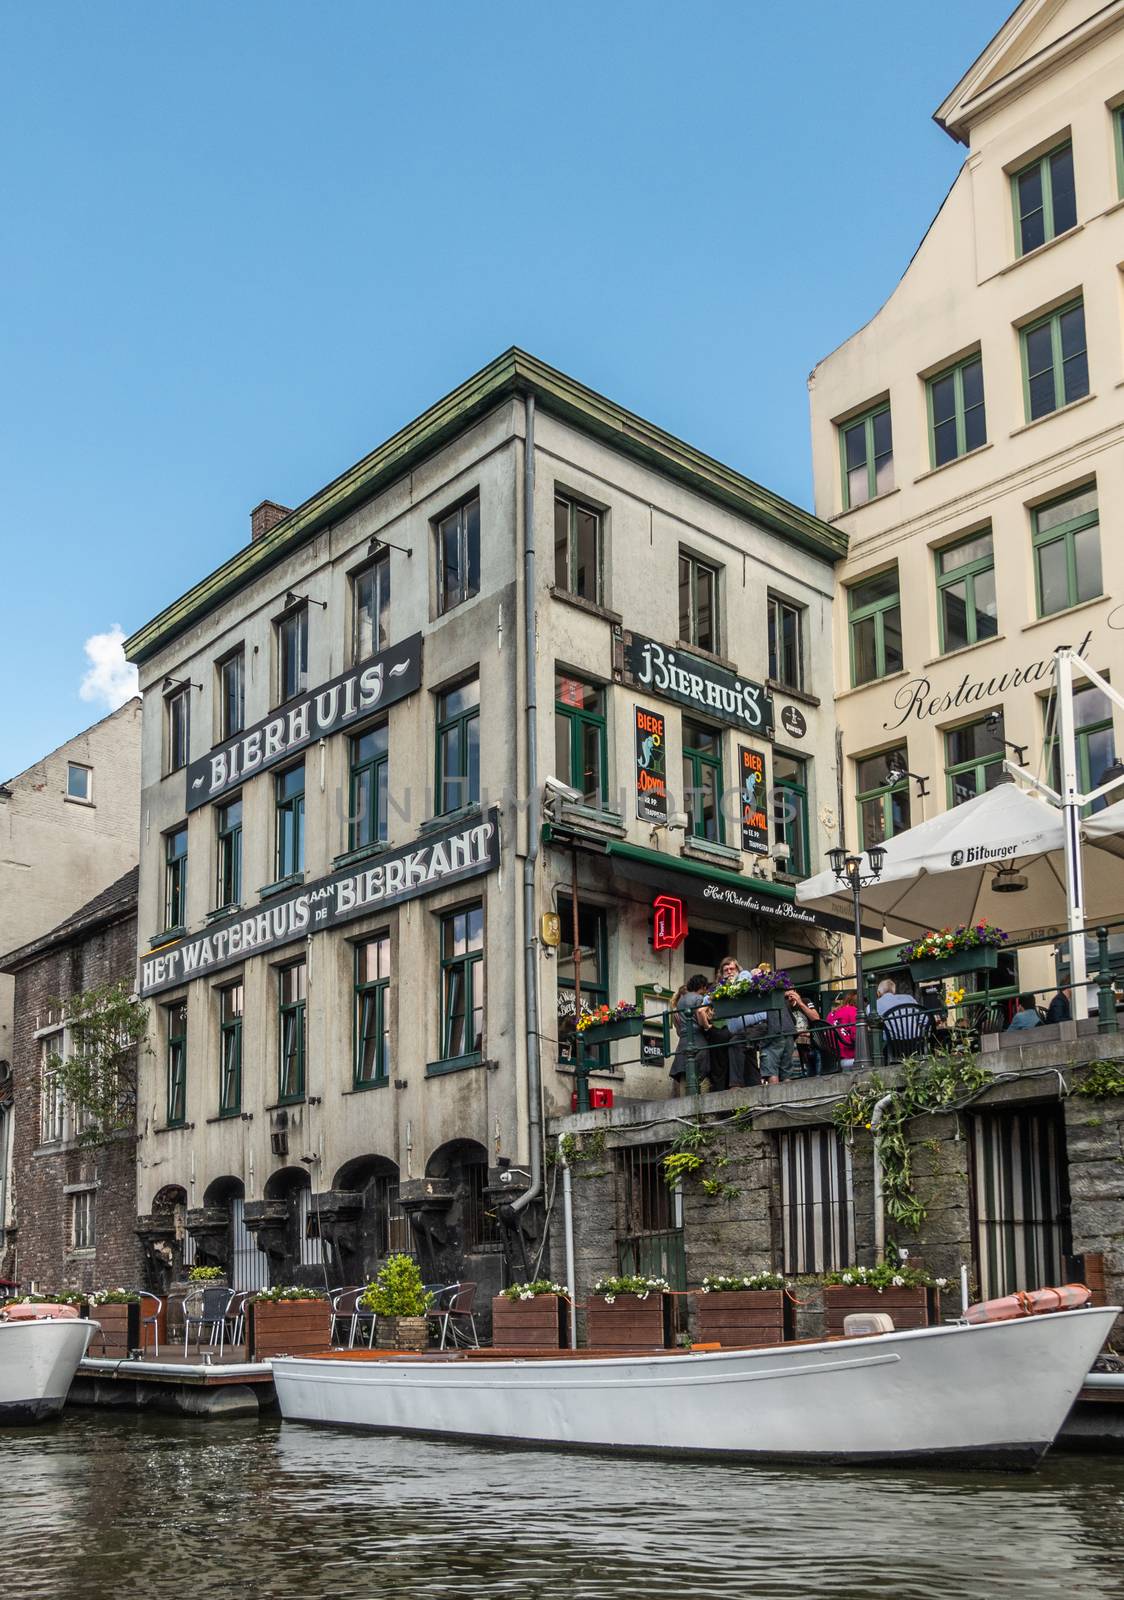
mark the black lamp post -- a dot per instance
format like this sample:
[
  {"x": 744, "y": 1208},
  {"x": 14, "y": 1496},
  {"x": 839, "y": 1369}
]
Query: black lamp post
[{"x": 847, "y": 867}]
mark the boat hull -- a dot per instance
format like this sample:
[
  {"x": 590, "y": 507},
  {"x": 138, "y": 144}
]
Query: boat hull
[
  {"x": 994, "y": 1394},
  {"x": 38, "y": 1361}
]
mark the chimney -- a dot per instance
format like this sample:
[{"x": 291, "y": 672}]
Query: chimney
[{"x": 264, "y": 517}]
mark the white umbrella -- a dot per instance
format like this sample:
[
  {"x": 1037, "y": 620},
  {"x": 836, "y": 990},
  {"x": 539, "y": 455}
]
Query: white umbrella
[{"x": 1104, "y": 830}]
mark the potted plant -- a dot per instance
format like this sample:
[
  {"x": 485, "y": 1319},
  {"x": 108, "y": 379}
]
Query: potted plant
[
  {"x": 908, "y": 1294},
  {"x": 532, "y": 1316},
  {"x": 764, "y": 988},
  {"x": 288, "y": 1321},
  {"x": 967, "y": 948},
  {"x": 117, "y": 1311},
  {"x": 751, "y": 1309},
  {"x": 629, "y": 1312},
  {"x": 400, "y": 1301},
  {"x": 604, "y": 1024}
]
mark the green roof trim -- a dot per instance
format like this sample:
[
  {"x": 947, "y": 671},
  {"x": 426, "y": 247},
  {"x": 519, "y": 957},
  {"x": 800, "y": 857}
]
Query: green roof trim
[
  {"x": 694, "y": 869},
  {"x": 513, "y": 373}
]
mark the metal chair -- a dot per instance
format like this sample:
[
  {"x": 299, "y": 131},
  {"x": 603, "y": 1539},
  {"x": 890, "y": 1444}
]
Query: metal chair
[
  {"x": 825, "y": 1037},
  {"x": 205, "y": 1308},
  {"x": 345, "y": 1312},
  {"x": 235, "y": 1316},
  {"x": 454, "y": 1316},
  {"x": 906, "y": 1031},
  {"x": 150, "y": 1319}
]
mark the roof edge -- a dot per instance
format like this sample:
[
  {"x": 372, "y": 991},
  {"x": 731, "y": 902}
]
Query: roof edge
[{"x": 78, "y": 926}]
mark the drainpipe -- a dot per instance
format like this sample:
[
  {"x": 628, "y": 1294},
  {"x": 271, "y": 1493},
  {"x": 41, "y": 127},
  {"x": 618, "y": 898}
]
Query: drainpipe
[
  {"x": 879, "y": 1215},
  {"x": 530, "y": 949},
  {"x": 568, "y": 1226}
]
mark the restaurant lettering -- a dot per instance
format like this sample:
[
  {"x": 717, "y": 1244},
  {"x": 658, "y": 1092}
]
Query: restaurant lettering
[
  {"x": 781, "y": 910},
  {"x": 382, "y": 681},
  {"x": 916, "y": 698},
  {"x": 699, "y": 684},
  {"x": 449, "y": 857}
]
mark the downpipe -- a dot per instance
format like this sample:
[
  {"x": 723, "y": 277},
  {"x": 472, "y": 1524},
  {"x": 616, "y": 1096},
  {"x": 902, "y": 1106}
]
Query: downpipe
[
  {"x": 568, "y": 1226},
  {"x": 879, "y": 1212}
]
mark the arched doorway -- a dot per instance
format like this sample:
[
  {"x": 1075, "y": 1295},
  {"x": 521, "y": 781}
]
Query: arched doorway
[
  {"x": 287, "y": 1228},
  {"x": 364, "y": 1237}
]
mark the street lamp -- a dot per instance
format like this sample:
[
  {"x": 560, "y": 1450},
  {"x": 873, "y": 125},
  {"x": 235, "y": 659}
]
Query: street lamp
[{"x": 847, "y": 867}]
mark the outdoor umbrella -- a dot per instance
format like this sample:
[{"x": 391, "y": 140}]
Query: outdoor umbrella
[{"x": 1104, "y": 830}]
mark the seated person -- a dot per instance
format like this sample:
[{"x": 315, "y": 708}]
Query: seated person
[
  {"x": 1026, "y": 1016},
  {"x": 888, "y": 998},
  {"x": 1059, "y": 1008}
]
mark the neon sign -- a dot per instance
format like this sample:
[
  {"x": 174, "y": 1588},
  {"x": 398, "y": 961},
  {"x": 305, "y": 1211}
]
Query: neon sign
[{"x": 669, "y": 922}]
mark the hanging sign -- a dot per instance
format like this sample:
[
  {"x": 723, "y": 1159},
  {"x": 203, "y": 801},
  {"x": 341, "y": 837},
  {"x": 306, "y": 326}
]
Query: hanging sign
[
  {"x": 700, "y": 685},
  {"x": 669, "y": 922},
  {"x": 651, "y": 766},
  {"x": 755, "y": 823}
]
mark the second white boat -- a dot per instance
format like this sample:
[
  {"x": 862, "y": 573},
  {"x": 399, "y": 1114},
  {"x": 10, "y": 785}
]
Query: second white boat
[{"x": 38, "y": 1360}]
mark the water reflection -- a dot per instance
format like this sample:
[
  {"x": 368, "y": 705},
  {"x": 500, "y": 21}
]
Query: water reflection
[{"x": 99, "y": 1506}]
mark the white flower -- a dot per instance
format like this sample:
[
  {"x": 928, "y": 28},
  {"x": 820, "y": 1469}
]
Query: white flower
[
  {"x": 941, "y": 1283},
  {"x": 847, "y": 1278},
  {"x": 706, "y": 1288},
  {"x": 643, "y": 1295},
  {"x": 898, "y": 1281},
  {"x": 609, "y": 1299}
]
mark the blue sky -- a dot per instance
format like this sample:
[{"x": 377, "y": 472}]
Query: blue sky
[{"x": 244, "y": 243}]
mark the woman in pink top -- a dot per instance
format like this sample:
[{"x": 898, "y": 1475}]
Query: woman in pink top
[{"x": 843, "y": 1019}]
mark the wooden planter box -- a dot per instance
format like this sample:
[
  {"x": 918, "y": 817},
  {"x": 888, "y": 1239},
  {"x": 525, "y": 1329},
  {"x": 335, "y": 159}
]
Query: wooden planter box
[
  {"x": 120, "y": 1330},
  {"x": 288, "y": 1328},
  {"x": 910, "y": 1308},
  {"x": 984, "y": 957},
  {"x": 629, "y": 1323},
  {"x": 745, "y": 1003},
  {"x": 744, "y": 1316},
  {"x": 606, "y": 1032},
  {"x": 538, "y": 1324}
]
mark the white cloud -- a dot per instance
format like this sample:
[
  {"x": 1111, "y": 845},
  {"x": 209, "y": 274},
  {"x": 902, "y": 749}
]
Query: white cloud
[{"x": 110, "y": 678}]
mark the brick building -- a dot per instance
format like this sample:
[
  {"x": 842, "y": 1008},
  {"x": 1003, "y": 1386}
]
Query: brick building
[{"x": 73, "y": 1204}]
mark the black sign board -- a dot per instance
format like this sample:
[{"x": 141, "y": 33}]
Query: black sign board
[
  {"x": 384, "y": 679},
  {"x": 755, "y": 822},
  {"x": 700, "y": 685},
  {"x": 651, "y": 765},
  {"x": 793, "y": 722},
  {"x": 761, "y": 905},
  {"x": 466, "y": 851}
]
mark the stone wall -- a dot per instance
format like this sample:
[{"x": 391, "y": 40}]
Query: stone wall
[{"x": 1095, "y": 1144}]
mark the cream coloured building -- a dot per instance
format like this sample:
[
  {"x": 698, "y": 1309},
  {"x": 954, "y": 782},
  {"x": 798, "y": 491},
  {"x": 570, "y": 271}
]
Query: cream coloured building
[{"x": 968, "y": 440}]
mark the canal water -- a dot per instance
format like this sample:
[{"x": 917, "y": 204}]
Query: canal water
[{"x": 126, "y": 1506}]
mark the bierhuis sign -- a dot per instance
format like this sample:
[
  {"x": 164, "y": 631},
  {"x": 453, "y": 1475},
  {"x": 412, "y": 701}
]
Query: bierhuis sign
[
  {"x": 384, "y": 679},
  {"x": 700, "y": 685},
  {"x": 466, "y": 851}
]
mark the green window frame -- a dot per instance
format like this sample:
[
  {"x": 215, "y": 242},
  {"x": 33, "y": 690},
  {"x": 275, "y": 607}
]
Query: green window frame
[
  {"x": 231, "y": 1002},
  {"x": 786, "y": 642},
  {"x": 1055, "y": 360},
  {"x": 702, "y": 781},
  {"x": 577, "y": 548},
  {"x": 228, "y": 824},
  {"x": 458, "y": 555},
  {"x": 973, "y": 755},
  {"x": 1094, "y": 741},
  {"x": 462, "y": 985},
  {"x": 292, "y": 995},
  {"x": 1067, "y": 554},
  {"x": 967, "y": 603},
  {"x": 698, "y": 602},
  {"x": 956, "y": 412},
  {"x": 370, "y": 608},
  {"x": 368, "y": 787},
  {"x": 790, "y": 811},
  {"x": 593, "y": 936},
  {"x": 1044, "y": 198},
  {"x": 289, "y": 796},
  {"x": 175, "y": 877},
  {"x": 177, "y": 718},
  {"x": 883, "y": 807},
  {"x": 177, "y": 1064},
  {"x": 875, "y": 627},
  {"x": 458, "y": 748},
  {"x": 371, "y": 1066},
  {"x": 866, "y": 455},
  {"x": 232, "y": 693},
  {"x": 292, "y": 654},
  {"x": 580, "y": 737}
]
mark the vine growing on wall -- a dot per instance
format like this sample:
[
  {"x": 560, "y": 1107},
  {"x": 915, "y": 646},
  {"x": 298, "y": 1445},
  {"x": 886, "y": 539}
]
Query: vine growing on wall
[
  {"x": 105, "y": 1030},
  {"x": 1103, "y": 1081},
  {"x": 693, "y": 1156}
]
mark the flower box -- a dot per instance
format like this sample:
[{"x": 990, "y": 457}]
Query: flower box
[
  {"x": 606, "y": 1032},
  {"x": 910, "y": 1308},
  {"x": 744, "y": 1316},
  {"x": 288, "y": 1328},
  {"x": 628, "y": 1322},
  {"x": 772, "y": 1000},
  {"x": 538, "y": 1324},
  {"x": 120, "y": 1330},
  {"x": 979, "y": 958}
]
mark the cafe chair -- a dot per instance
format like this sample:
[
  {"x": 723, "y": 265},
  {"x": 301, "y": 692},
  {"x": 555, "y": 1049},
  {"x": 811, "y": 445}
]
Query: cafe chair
[
  {"x": 453, "y": 1316},
  {"x": 205, "y": 1309},
  {"x": 151, "y": 1306},
  {"x": 906, "y": 1031}
]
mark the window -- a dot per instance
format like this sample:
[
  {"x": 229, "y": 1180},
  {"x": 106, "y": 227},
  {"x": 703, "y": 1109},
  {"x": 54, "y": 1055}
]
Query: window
[
  {"x": 883, "y": 803},
  {"x": 867, "y": 444},
  {"x": 790, "y": 811},
  {"x": 372, "y": 1012},
  {"x": 232, "y": 694},
  {"x": 698, "y": 602},
  {"x": 817, "y": 1203},
  {"x": 370, "y": 609},
  {"x": 957, "y": 422},
  {"x": 458, "y": 747},
  {"x": 786, "y": 642},
  {"x": 702, "y": 781},
  {"x": 177, "y": 1063},
  {"x": 458, "y": 555},
  {"x": 973, "y": 759},
  {"x": 967, "y": 610},
  {"x": 82, "y": 1214},
  {"x": 177, "y": 719},
  {"x": 1045, "y": 199},
  {"x": 175, "y": 878},
  {"x": 52, "y": 1101},
  {"x": 462, "y": 983},
  {"x": 1055, "y": 361},
  {"x": 650, "y": 1219},
  {"x": 289, "y": 789},
  {"x": 292, "y": 654},
  {"x": 593, "y": 973},
  {"x": 1020, "y": 1185},
  {"x": 577, "y": 549},
  {"x": 79, "y": 782},
  {"x": 875, "y": 613},
  {"x": 1067, "y": 551},
  {"x": 367, "y": 794},
  {"x": 1094, "y": 740},
  {"x": 230, "y": 1050},
  {"x": 229, "y": 822},
  {"x": 579, "y": 733},
  {"x": 292, "y": 984}
]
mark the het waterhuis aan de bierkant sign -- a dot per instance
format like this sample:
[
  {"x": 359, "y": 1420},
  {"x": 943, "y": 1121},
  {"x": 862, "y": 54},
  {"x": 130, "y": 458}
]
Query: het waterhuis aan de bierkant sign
[
  {"x": 382, "y": 681},
  {"x": 697, "y": 684},
  {"x": 466, "y": 851}
]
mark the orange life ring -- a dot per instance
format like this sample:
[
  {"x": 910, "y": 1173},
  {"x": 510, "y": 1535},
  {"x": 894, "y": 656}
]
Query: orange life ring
[
  {"x": 1030, "y": 1303},
  {"x": 41, "y": 1311}
]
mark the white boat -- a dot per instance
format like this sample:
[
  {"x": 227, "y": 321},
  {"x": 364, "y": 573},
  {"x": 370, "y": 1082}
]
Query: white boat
[
  {"x": 38, "y": 1360},
  {"x": 991, "y": 1393}
]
